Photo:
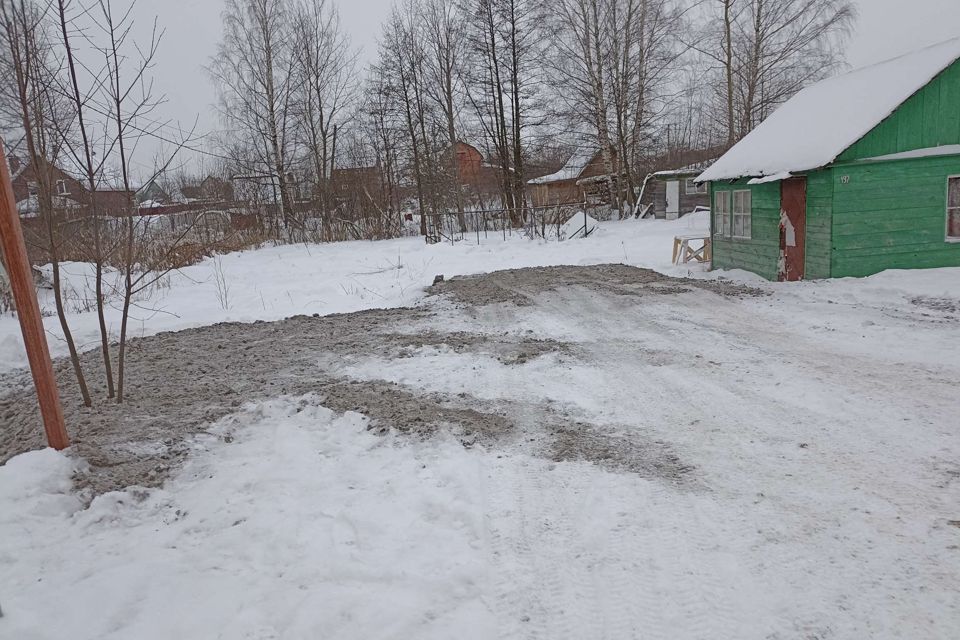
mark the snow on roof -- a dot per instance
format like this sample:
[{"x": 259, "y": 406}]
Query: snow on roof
[
  {"x": 689, "y": 170},
  {"x": 574, "y": 167},
  {"x": 819, "y": 123},
  {"x": 929, "y": 152},
  {"x": 28, "y": 207}
]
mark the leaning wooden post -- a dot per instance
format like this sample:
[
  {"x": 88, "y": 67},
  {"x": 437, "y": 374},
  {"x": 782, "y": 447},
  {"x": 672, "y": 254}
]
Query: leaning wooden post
[{"x": 28, "y": 311}]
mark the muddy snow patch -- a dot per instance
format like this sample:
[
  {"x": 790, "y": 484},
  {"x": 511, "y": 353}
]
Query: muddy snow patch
[
  {"x": 521, "y": 287},
  {"x": 620, "y": 450},
  {"x": 182, "y": 382},
  {"x": 942, "y": 305}
]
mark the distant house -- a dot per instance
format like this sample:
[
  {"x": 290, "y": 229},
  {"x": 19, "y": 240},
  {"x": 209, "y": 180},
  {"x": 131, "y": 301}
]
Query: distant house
[
  {"x": 216, "y": 189},
  {"x": 573, "y": 182},
  {"x": 480, "y": 178},
  {"x": 356, "y": 187},
  {"x": 210, "y": 189},
  {"x": 115, "y": 202},
  {"x": 853, "y": 175},
  {"x": 469, "y": 161},
  {"x": 675, "y": 192},
  {"x": 152, "y": 192},
  {"x": 68, "y": 191}
]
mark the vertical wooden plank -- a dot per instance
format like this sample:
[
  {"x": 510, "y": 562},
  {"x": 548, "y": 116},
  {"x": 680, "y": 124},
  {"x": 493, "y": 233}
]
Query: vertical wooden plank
[
  {"x": 930, "y": 97},
  {"x": 910, "y": 129},
  {"x": 950, "y": 105},
  {"x": 28, "y": 312}
]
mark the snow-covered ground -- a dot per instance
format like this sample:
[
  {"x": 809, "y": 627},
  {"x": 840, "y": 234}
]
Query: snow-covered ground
[
  {"x": 277, "y": 282},
  {"x": 799, "y": 471}
]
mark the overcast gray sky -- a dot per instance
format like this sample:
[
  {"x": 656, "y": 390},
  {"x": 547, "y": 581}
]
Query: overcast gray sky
[{"x": 886, "y": 28}]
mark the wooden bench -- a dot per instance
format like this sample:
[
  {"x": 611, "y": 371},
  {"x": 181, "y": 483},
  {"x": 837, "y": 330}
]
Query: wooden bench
[{"x": 684, "y": 253}]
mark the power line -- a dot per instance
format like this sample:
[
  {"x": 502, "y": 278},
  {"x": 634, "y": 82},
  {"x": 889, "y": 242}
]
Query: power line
[{"x": 156, "y": 136}]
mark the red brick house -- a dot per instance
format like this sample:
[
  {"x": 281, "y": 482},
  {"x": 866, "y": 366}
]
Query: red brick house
[
  {"x": 479, "y": 179},
  {"x": 115, "y": 202},
  {"x": 68, "y": 191}
]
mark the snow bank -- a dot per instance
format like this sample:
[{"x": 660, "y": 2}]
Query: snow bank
[
  {"x": 578, "y": 226},
  {"x": 38, "y": 483},
  {"x": 306, "y": 526}
]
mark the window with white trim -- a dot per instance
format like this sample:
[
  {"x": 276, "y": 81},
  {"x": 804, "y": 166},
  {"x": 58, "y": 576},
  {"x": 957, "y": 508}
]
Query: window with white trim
[
  {"x": 62, "y": 188},
  {"x": 953, "y": 208},
  {"x": 695, "y": 187},
  {"x": 742, "y": 214},
  {"x": 721, "y": 214}
]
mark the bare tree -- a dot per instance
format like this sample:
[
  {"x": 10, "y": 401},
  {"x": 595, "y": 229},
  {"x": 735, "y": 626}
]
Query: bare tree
[
  {"x": 383, "y": 132},
  {"x": 402, "y": 67},
  {"x": 728, "y": 69},
  {"x": 325, "y": 69},
  {"x": 253, "y": 71},
  {"x": 768, "y": 50},
  {"x": 783, "y": 46},
  {"x": 445, "y": 31},
  {"x": 34, "y": 98},
  {"x": 501, "y": 86},
  {"x": 90, "y": 169},
  {"x": 129, "y": 97},
  {"x": 612, "y": 60}
]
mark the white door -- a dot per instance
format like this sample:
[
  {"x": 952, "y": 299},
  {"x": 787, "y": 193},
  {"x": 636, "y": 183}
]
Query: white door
[{"x": 673, "y": 200}]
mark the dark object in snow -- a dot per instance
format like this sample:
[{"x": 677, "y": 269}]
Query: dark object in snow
[
  {"x": 40, "y": 280},
  {"x": 437, "y": 279}
]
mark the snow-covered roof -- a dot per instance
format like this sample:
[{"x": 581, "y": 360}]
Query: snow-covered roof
[
  {"x": 28, "y": 207},
  {"x": 819, "y": 123},
  {"x": 571, "y": 170},
  {"x": 689, "y": 170}
]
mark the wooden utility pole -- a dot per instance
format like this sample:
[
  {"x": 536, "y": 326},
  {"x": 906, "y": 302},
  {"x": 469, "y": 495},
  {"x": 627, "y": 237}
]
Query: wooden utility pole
[{"x": 28, "y": 311}]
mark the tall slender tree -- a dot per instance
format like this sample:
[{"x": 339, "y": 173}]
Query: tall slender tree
[{"x": 254, "y": 75}]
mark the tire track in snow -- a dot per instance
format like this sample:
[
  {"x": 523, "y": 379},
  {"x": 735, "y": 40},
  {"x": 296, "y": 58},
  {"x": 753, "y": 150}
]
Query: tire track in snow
[
  {"x": 518, "y": 609},
  {"x": 576, "y": 553}
]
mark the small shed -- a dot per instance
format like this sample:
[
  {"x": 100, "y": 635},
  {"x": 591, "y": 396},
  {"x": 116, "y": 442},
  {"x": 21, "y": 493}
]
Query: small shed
[
  {"x": 854, "y": 175},
  {"x": 569, "y": 185},
  {"x": 676, "y": 191}
]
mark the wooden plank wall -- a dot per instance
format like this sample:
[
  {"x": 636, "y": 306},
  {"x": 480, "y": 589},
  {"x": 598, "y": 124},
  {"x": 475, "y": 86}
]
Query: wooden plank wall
[
  {"x": 930, "y": 118},
  {"x": 761, "y": 253},
  {"x": 892, "y": 215},
  {"x": 688, "y": 201},
  {"x": 819, "y": 225}
]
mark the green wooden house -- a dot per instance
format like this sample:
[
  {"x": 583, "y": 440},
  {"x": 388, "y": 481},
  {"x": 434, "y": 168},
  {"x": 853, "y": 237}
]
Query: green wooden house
[{"x": 853, "y": 175}]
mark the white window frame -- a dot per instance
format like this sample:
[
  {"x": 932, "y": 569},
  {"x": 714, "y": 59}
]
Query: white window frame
[
  {"x": 722, "y": 230},
  {"x": 33, "y": 189},
  {"x": 62, "y": 189},
  {"x": 744, "y": 215},
  {"x": 693, "y": 188},
  {"x": 949, "y": 209}
]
